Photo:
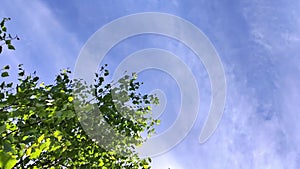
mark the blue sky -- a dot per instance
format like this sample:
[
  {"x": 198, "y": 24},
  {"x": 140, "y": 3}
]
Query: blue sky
[{"x": 257, "y": 41}]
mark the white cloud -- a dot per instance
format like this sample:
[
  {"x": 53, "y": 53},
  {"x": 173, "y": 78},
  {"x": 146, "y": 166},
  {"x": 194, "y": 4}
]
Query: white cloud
[{"x": 244, "y": 139}]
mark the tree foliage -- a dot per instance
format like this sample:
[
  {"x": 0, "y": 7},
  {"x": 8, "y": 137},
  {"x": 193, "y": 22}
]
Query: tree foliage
[
  {"x": 6, "y": 38},
  {"x": 39, "y": 127}
]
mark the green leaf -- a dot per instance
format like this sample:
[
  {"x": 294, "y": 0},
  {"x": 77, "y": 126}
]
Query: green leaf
[
  {"x": 4, "y": 74},
  {"x": 41, "y": 138},
  {"x": 106, "y": 73},
  {"x": 35, "y": 79},
  {"x": 10, "y": 163},
  {"x": 9, "y": 84},
  {"x": 101, "y": 79},
  {"x": 3, "y": 28},
  {"x": 2, "y": 22},
  {"x": 37, "y": 152},
  {"x": 146, "y": 166},
  {"x": 2, "y": 128},
  {"x": 57, "y": 134},
  {"x": 25, "y": 138},
  {"x": 11, "y": 47},
  {"x": 70, "y": 99},
  {"x": 7, "y": 161},
  {"x": 101, "y": 163},
  {"x": 1, "y": 97},
  {"x": 28, "y": 151},
  {"x": 7, "y": 147},
  {"x": 6, "y": 67},
  {"x": 45, "y": 146},
  {"x": 21, "y": 73}
]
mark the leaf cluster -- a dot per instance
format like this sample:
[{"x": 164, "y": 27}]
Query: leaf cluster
[
  {"x": 6, "y": 38},
  {"x": 40, "y": 128}
]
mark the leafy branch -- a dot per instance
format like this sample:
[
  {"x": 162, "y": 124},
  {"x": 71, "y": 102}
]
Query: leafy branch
[{"x": 6, "y": 38}]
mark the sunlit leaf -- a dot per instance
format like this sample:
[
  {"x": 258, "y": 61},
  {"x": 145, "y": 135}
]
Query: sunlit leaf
[
  {"x": 41, "y": 138},
  {"x": 42, "y": 124}
]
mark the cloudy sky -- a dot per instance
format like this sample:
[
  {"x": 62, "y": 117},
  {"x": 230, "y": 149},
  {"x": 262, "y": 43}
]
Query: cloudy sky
[{"x": 257, "y": 41}]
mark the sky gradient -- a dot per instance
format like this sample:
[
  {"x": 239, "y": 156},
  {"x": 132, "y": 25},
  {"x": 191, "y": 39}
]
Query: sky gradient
[{"x": 257, "y": 41}]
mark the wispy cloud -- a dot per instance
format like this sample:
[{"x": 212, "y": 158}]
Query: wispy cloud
[
  {"x": 45, "y": 45},
  {"x": 258, "y": 42}
]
